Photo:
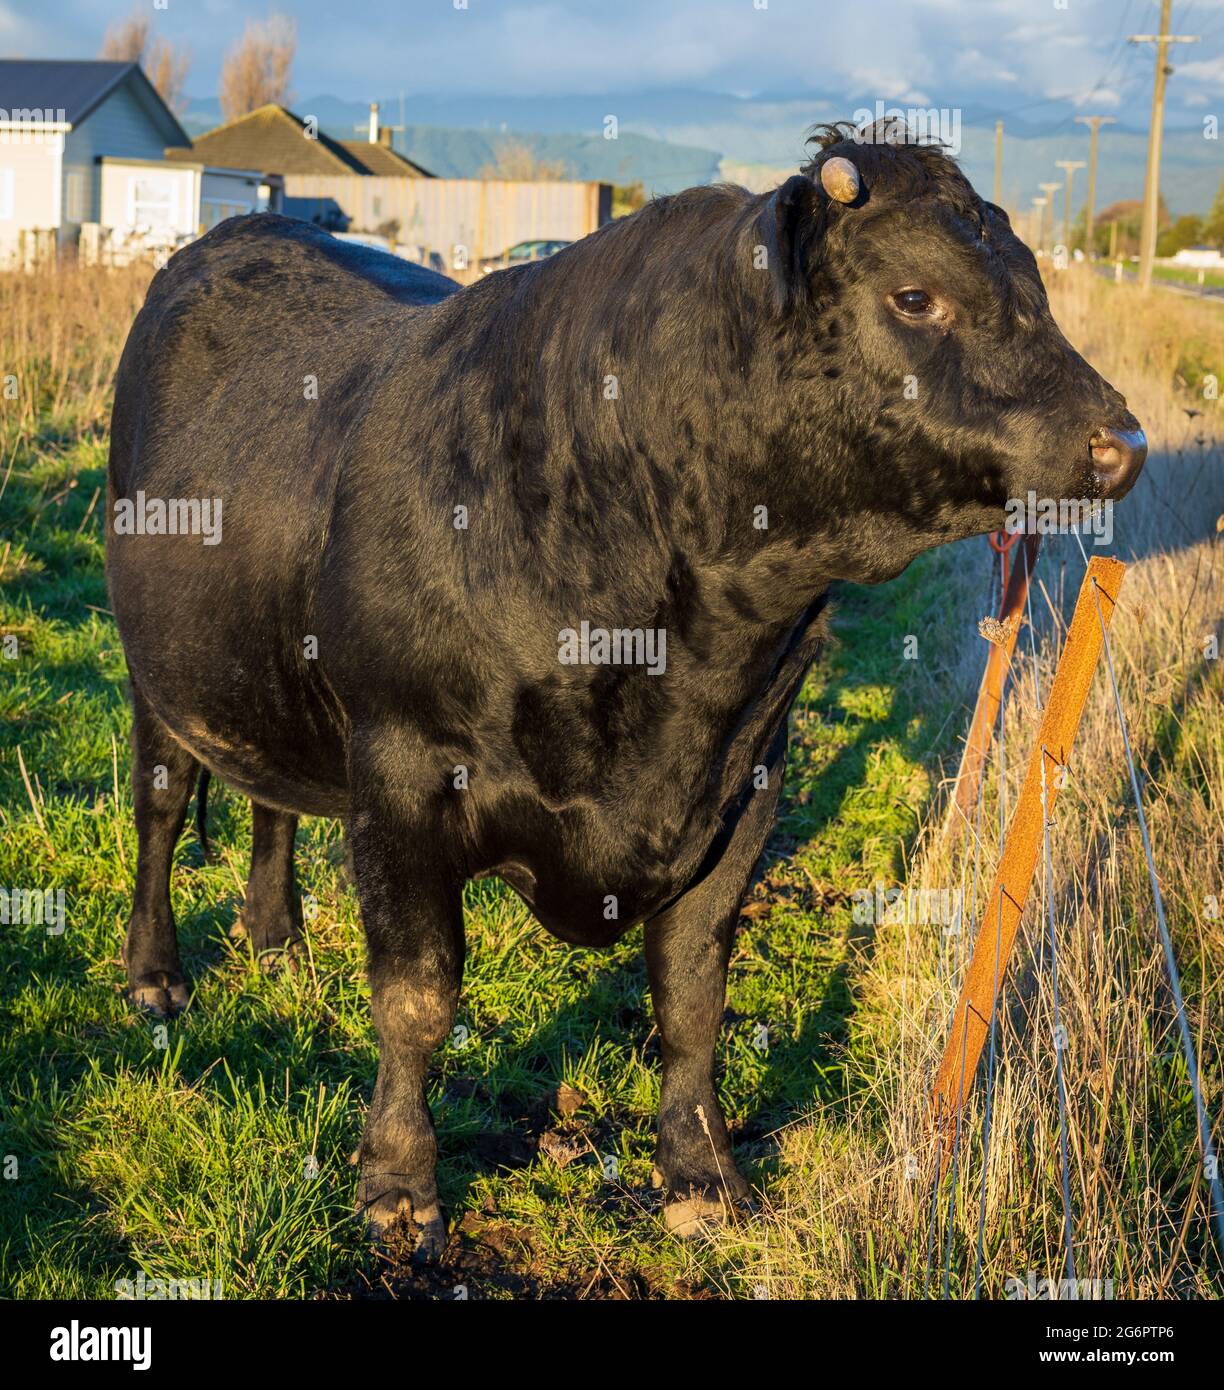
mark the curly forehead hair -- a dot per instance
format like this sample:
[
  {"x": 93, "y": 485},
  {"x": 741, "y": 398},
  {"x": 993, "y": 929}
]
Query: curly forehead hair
[{"x": 896, "y": 165}]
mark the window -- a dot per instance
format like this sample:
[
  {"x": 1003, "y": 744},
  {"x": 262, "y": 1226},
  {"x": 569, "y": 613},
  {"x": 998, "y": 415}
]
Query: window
[
  {"x": 213, "y": 210},
  {"x": 152, "y": 200},
  {"x": 7, "y": 177},
  {"x": 74, "y": 196}
]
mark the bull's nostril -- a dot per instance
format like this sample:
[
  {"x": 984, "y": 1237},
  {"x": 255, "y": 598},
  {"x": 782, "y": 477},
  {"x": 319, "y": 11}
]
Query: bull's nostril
[
  {"x": 1106, "y": 455},
  {"x": 1117, "y": 456}
]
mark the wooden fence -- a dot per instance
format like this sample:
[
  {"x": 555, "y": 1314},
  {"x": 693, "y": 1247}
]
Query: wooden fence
[{"x": 460, "y": 219}]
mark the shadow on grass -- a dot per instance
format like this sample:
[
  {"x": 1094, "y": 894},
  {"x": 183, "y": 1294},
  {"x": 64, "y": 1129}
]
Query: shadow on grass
[{"x": 491, "y": 1114}]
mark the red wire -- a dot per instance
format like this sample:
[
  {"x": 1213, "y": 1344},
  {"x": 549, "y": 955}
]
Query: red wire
[{"x": 1002, "y": 546}]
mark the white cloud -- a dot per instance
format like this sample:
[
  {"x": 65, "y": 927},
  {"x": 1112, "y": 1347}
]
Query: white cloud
[
  {"x": 15, "y": 29},
  {"x": 976, "y": 66},
  {"x": 1098, "y": 96},
  {"x": 889, "y": 86},
  {"x": 1211, "y": 70},
  {"x": 997, "y": 54}
]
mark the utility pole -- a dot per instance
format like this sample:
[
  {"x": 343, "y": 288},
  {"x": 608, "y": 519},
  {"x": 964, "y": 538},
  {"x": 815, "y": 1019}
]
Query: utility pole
[
  {"x": 1151, "y": 187},
  {"x": 1094, "y": 124},
  {"x": 1047, "y": 235},
  {"x": 1070, "y": 165},
  {"x": 998, "y": 184},
  {"x": 1037, "y": 223}
]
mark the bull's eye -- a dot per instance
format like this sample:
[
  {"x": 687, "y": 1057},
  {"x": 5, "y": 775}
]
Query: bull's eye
[{"x": 914, "y": 304}]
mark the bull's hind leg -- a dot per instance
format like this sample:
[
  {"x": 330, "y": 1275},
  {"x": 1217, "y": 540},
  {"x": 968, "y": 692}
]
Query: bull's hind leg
[
  {"x": 411, "y": 909},
  {"x": 687, "y": 951},
  {"x": 163, "y": 774},
  {"x": 272, "y": 913}
]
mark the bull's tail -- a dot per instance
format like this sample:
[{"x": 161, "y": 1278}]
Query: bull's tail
[{"x": 201, "y": 815}]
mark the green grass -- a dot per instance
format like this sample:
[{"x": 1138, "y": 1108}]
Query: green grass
[
  {"x": 1187, "y": 275},
  {"x": 216, "y": 1145}
]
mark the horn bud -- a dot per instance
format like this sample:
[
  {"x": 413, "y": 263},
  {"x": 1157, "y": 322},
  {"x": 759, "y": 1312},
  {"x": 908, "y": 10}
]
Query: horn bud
[{"x": 840, "y": 179}]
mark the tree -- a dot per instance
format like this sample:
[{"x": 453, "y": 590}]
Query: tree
[
  {"x": 1186, "y": 231},
  {"x": 515, "y": 159},
  {"x": 627, "y": 198},
  {"x": 129, "y": 41},
  {"x": 1129, "y": 217},
  {"x": 256, "y": 69},
  {"x": 1213, "y": 226}
]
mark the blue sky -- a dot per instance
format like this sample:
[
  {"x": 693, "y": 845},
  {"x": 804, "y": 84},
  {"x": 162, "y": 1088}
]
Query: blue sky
[{"x": 1013, "y": 54}]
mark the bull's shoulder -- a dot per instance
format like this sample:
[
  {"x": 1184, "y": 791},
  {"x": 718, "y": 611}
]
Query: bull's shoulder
[{"x": 266, "y": 252}]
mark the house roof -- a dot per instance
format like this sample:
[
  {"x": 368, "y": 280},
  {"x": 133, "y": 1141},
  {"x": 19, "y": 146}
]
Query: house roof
[
  {"x": 79, "y": 87},
  {"x": 272, "y": 138},
  {"x": 384, "y": 161}
]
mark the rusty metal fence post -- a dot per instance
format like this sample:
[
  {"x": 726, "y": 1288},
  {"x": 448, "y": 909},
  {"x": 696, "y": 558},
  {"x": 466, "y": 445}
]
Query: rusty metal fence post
[
  {"x": 990, "y": 692},
  {"x": 1043, "y": 779}
]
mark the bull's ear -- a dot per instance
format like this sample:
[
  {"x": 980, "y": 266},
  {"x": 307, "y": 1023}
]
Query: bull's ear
[{"x": 790, "y": 235}]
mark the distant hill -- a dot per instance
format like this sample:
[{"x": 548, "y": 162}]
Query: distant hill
[
  {"x": 661, "y": 166},
  {"x": 673, "y": 139}
]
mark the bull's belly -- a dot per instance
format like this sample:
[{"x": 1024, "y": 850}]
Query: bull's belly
[
  {"x": 266, "y": 739},
  {"x": 272, "y": 777},
  {"x": 224, "y": 680},
  {"x": 574, "y": 907},
  {"x": 589, "y": 878}
]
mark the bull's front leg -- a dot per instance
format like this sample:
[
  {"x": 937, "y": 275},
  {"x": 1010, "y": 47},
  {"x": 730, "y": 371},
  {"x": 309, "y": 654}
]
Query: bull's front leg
[
  {"x": 687, "y": 951},
  {"x": 411, "y": 910}
]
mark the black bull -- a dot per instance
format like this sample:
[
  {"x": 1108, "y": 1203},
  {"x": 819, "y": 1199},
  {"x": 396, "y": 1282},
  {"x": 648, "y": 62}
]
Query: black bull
[{"x": 678, "y": 432}]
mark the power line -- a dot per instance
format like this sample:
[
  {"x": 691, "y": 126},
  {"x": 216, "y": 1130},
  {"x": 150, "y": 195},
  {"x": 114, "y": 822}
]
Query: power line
[
  {"x": 1117, "y": 47},
  {"x": 1151, "y": 189}
]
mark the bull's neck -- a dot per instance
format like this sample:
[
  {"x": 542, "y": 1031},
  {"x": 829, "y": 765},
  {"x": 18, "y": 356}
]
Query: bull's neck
[
  {"x": 640, "y": 386},
  {"x": 670, "y": 385}
]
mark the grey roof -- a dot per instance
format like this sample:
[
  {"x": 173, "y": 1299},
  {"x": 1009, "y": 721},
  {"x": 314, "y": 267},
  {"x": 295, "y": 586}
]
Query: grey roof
[
  {"x": 383, "y": 160},
  {"x": 270, "y": 138},
  {"x": 78, "y": 87}
]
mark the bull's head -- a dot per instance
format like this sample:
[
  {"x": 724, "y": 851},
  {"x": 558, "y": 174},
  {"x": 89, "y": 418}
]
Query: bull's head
[{"x": 913, "y": 304}]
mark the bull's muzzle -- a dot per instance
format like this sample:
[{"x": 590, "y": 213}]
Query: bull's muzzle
[{"x": 1117, "y": 459}]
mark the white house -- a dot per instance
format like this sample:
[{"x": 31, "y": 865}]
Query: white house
[
  {"x": 84, "y": 144},
  {"x": 1199, "y": 258},
  {"x": 166, "y": 201}
]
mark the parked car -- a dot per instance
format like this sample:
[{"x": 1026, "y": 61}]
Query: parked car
[
  {"x": 371, "y": 239},
  {"x": 523, "y": 251}
]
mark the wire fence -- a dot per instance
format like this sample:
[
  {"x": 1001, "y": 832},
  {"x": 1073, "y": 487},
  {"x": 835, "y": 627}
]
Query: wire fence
[{"x": 950, "y": 1155}]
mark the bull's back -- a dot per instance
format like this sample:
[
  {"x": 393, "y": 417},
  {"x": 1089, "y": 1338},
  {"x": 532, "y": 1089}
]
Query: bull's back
[
  {"x": 242, "y": 333},
  {"x": 253, "y": 363}
]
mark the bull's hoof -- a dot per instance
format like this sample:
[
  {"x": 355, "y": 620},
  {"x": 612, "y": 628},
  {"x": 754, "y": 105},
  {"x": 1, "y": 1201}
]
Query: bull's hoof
[
  {"x": 391, "y": 1215},
  {"x": 277, "y": 946},
  {"x": 160, "y": 993},
  {"x": 695, "y": 1210},
  {"x": 695, "y": 1215},
  {"x": 287, "y": 958}
]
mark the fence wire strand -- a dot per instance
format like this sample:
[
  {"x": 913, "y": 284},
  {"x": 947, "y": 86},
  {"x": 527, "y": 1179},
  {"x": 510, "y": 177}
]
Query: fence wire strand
[
  {"x": 1210, "y": 1162},
  {"x": 991, "y": 1071},
  {"x": 1211, "y": 1168},
  {"x": 1209, "y": 1157},
  {"x": 1046, "y": 824}
]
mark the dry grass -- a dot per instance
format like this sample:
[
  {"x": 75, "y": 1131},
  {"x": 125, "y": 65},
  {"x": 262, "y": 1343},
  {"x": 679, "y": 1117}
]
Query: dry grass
[
  {"x": 851, "y": 1215},
  {"x": 857, "y": 1214},
  {"x": 61, "y": 333}
]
